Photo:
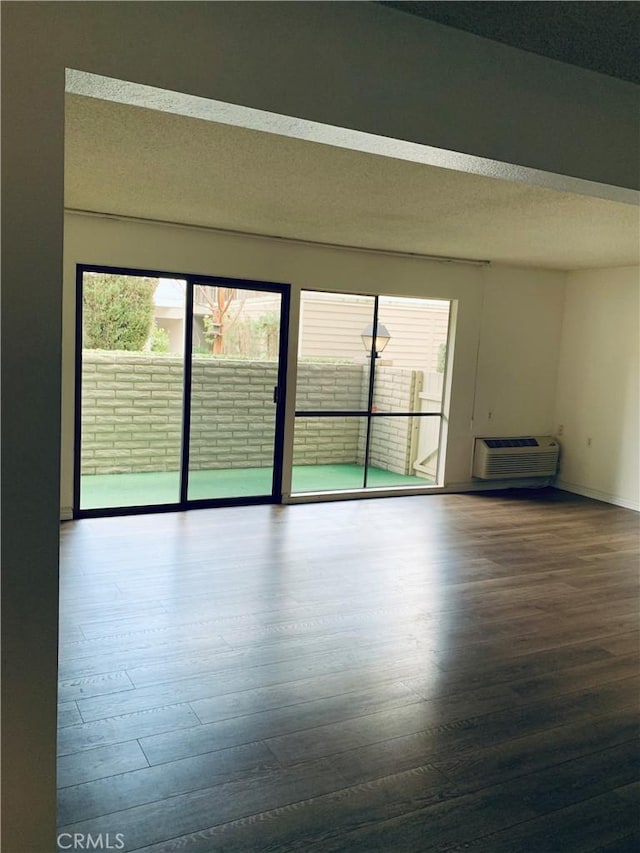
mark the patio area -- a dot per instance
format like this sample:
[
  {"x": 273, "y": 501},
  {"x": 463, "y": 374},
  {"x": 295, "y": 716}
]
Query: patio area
[{"x": 99, "y": 491}]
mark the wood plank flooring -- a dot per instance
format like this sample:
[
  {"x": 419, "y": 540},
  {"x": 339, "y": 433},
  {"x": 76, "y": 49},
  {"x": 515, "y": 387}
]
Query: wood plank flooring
[{"x": 448, "y": 672}]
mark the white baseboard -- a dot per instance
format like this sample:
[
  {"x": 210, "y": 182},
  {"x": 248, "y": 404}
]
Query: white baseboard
[
  {"x": 497, "y": 485},
  {"x": 596, "y": 494},
  {"x": 66, "y": 513}
]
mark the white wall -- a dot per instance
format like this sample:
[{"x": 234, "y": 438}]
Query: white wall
[
  {"x": 598, "y": 396},
  {"x": 519, "y": 345},
  {"x": 507, "y": 321}
]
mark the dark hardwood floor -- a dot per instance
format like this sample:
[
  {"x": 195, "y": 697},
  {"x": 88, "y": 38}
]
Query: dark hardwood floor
[{"x": 449, "y": 672}]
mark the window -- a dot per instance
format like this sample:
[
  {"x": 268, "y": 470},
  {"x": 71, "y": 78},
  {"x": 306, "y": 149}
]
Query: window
[{"x": 369, "y": 392}]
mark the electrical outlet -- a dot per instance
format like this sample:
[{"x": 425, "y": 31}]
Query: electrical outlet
[
  {"x": 560, "y": 430},
  {"x": 588, "y": 442}
]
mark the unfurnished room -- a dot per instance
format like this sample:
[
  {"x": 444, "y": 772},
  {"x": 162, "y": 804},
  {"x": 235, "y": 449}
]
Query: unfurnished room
[{"x": 321, "y": 466}]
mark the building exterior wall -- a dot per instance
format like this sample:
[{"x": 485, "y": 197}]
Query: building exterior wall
[{"x": 331, "y": 327}]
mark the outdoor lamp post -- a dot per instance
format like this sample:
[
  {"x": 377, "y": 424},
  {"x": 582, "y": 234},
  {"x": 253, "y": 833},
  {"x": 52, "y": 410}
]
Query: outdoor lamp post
[{"x": 382, "y": 339}]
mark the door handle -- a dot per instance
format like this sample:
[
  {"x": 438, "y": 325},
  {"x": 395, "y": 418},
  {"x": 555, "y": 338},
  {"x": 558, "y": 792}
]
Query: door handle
[{"x": 275, "y": 393}]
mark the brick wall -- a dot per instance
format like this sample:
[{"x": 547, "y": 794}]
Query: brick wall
[
  {"x": 393, "y": 440},
  {"x": 131, "y": 413},
  {"x": 232, "y": 413},
  {"x": 132, "y": 410},
  {"x": 328, "y": 441}
]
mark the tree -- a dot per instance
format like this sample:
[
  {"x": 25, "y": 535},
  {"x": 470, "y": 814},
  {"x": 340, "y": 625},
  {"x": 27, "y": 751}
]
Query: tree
[
  {"x": 159, "y": 339},
  {"x": 249, "y": 338},
  {"x": 219, "y": 301},
  {"x": 117, "y": 311},
  {"x": 268, "y": 329}
]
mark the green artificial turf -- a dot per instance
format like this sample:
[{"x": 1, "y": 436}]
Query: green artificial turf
[{"x": 100, "y": 491}]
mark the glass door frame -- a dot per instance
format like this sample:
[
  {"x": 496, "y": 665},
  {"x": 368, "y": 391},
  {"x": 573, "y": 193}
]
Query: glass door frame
[{"x": 183, "y": 502}]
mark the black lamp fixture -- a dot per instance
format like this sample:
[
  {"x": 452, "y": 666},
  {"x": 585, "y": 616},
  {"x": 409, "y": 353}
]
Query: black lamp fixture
[{"x": 382, "y": 339}]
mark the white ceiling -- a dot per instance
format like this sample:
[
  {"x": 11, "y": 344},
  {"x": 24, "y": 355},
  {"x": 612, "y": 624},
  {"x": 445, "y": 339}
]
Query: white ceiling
[{"x": 132, "y": 161}]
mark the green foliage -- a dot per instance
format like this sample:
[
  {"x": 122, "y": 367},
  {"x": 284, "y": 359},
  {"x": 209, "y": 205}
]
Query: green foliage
[
  {"x": 246, "y": 338},
  {"x": 159, "y": 340},
  {"x": 442, "y": 358},
  {"x": 211, "y": 329},
  {"x": 117, "y": 311},
  {"x": 267, "y": 328}
]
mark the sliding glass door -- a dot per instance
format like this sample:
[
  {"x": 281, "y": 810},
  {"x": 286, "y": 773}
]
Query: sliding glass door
[
  {"x": 234, "y": 387},
  {"x": 129, "y": 389},
  {"x": 369, "y": 392},
  {"x": 179, "y": 391}
]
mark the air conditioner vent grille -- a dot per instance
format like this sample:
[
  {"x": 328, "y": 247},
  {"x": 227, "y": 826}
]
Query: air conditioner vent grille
[{"x": 511, "y": 442}]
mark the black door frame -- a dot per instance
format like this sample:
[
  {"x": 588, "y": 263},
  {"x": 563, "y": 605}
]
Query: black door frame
[{"x": 183, "y": 503}]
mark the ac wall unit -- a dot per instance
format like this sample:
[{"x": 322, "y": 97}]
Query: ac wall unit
[{"x": 505, "y": 458}]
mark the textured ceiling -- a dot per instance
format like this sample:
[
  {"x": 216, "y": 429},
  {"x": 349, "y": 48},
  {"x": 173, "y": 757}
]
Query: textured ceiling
[
  {"x": 603, "y": 37},
  {"x": 138, "y": 162}
]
